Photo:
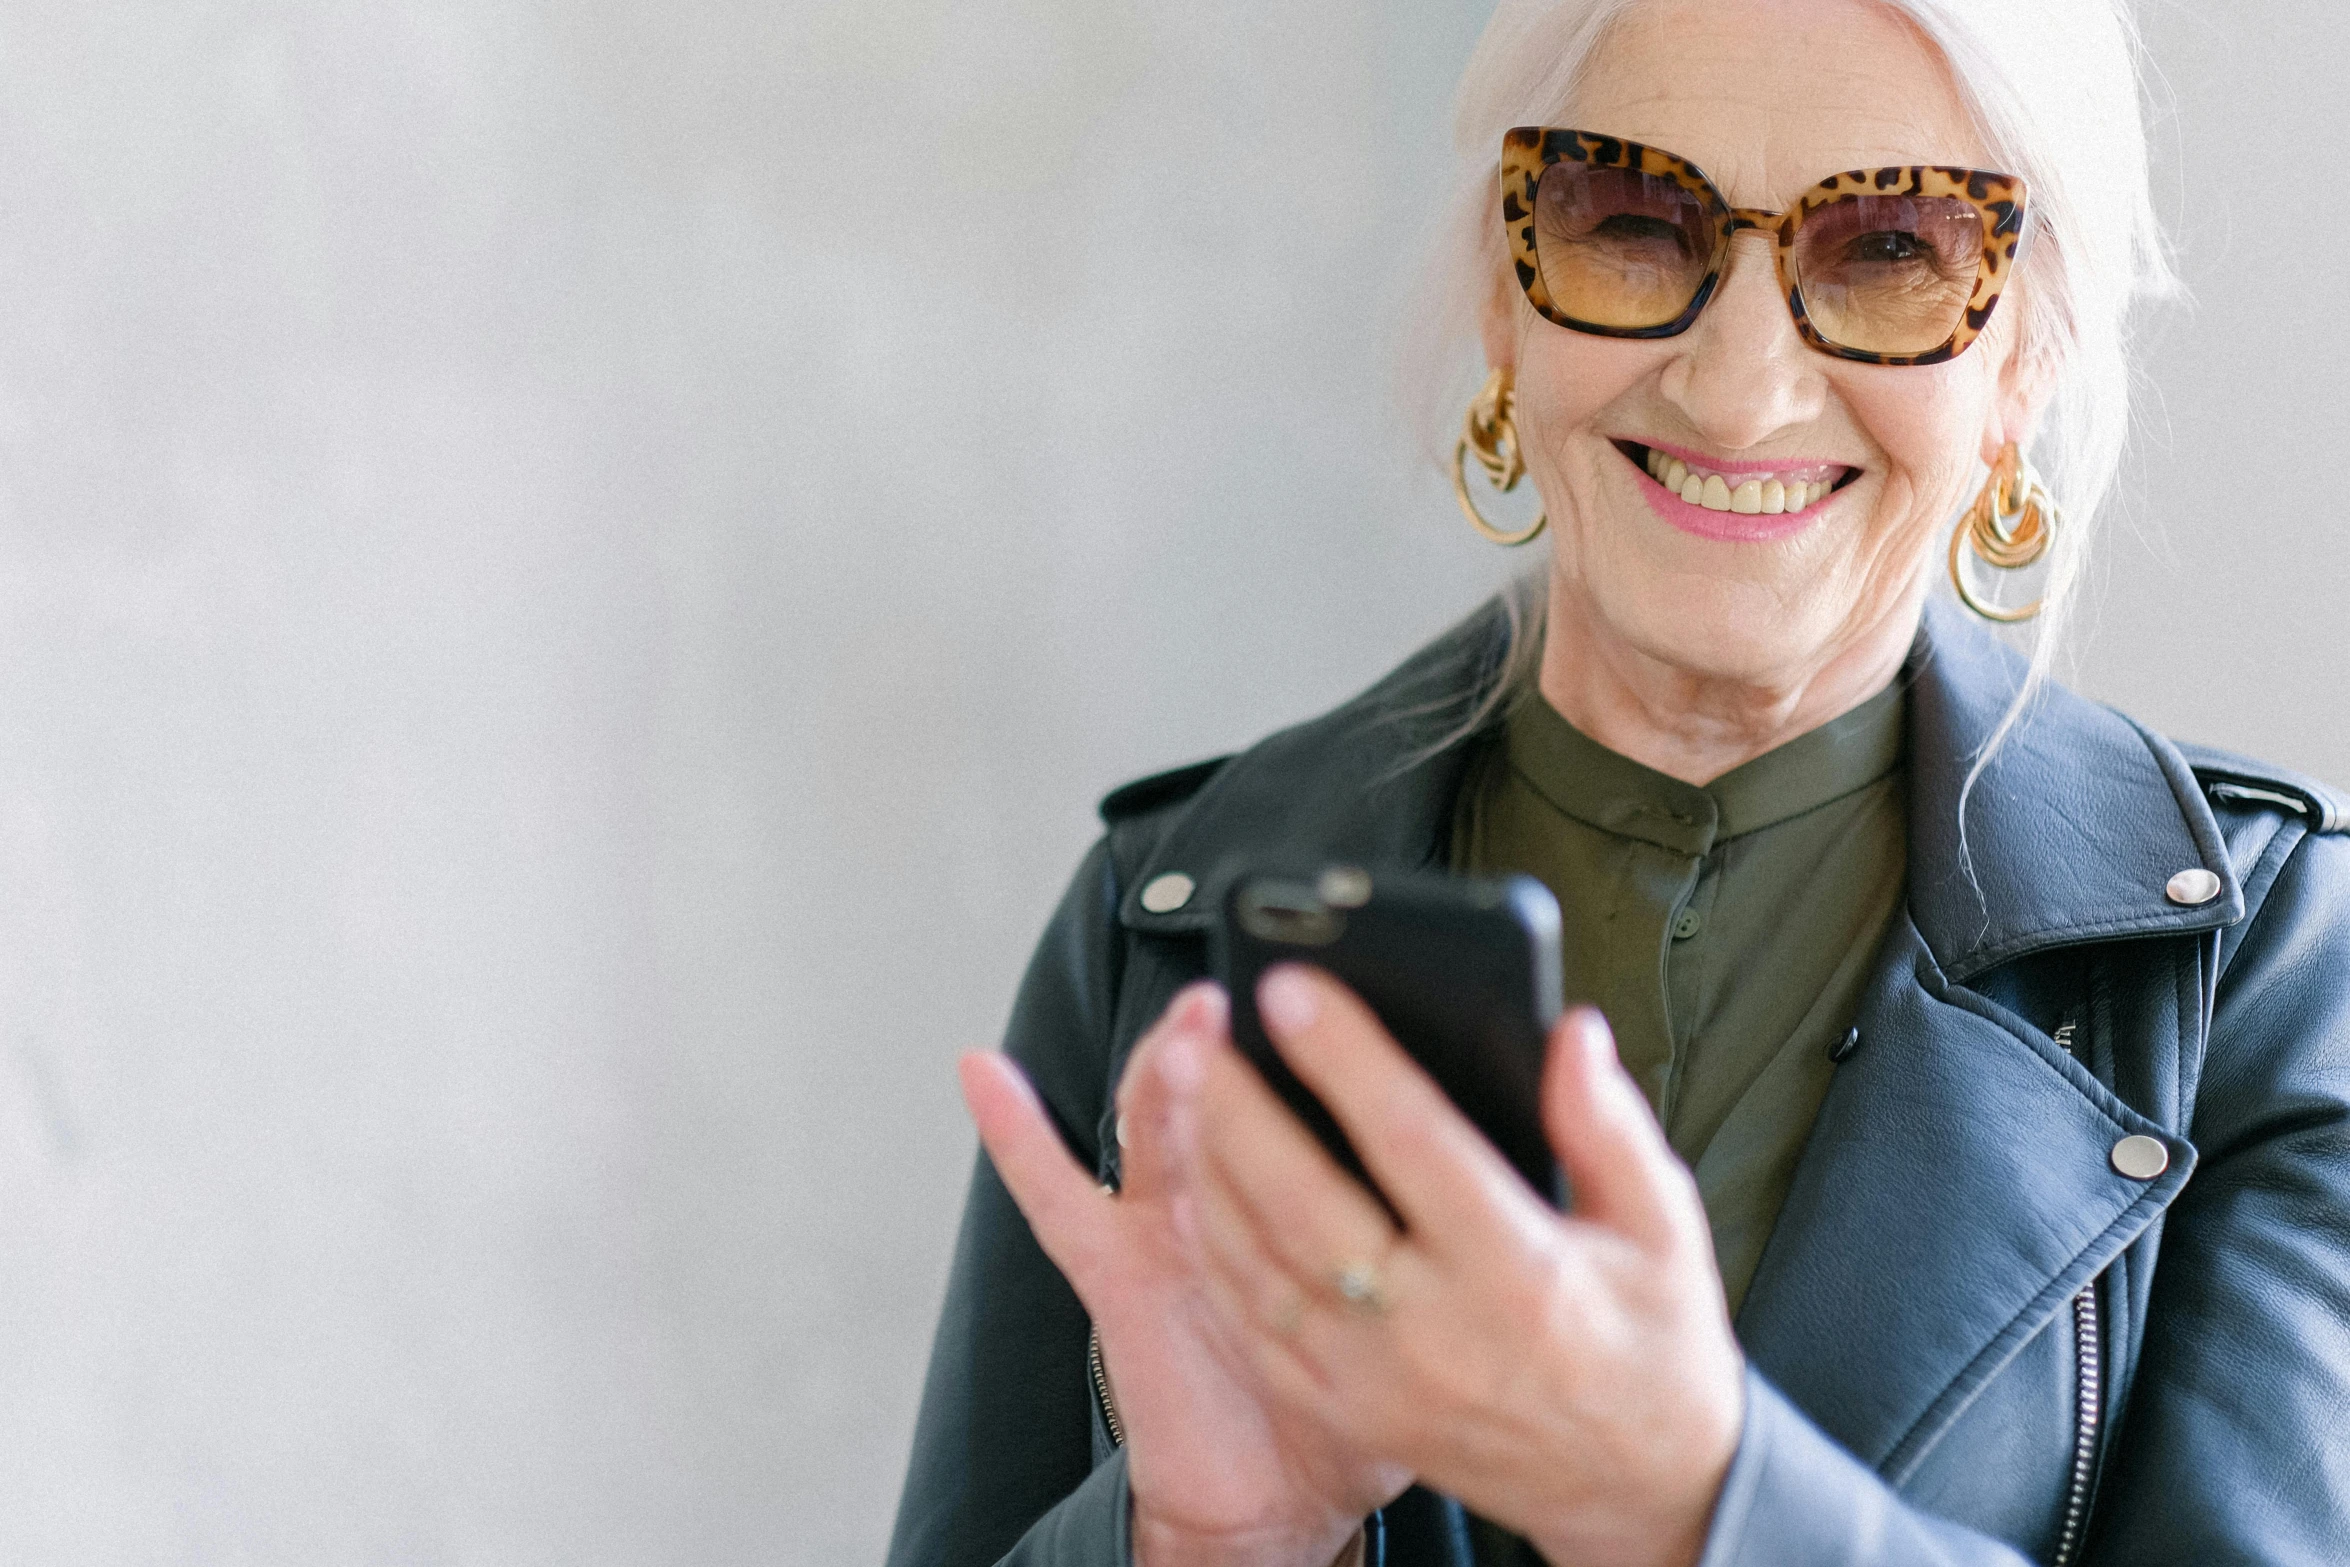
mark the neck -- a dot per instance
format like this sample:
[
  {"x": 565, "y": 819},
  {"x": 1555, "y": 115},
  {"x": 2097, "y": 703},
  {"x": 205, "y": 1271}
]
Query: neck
[{"x": 1695, "y": 725}]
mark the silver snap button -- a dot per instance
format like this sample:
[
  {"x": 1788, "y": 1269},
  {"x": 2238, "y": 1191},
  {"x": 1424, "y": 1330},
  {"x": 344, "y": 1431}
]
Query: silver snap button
[
  {"x": 1165, "y": 894},
  {"x": 2192, "y": 888},
  {"x": 2140, "y": 1158},
  {"x": 1345, "y": 887}
]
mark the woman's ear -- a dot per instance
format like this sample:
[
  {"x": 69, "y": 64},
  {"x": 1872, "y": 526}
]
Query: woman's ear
[
  {"x": 1498, "y": 324},
  {"x": 2026, "y": 381}
]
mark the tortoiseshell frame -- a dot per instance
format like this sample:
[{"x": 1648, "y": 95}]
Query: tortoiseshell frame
[{"x": 1999, "y": 198}]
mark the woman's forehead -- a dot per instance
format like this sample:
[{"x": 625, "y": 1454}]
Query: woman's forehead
[{"x": 1770, "y": 97}]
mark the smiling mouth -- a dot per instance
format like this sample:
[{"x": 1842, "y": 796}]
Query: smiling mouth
[{"x": 1795, "y": 489}]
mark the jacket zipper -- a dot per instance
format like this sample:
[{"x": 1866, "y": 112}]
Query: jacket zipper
[
  {"x": 2089, "y": 1409},
  {"x": 1101, "y": 1386}
]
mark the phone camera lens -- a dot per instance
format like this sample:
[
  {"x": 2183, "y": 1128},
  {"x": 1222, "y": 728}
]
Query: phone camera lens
[
  {"x": 1345, "y": 887},
  {"x": 1288, "y": 913}
]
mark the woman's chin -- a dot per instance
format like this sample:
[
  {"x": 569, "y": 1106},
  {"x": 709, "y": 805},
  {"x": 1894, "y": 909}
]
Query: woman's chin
[{"x": 1739, "y": 631}]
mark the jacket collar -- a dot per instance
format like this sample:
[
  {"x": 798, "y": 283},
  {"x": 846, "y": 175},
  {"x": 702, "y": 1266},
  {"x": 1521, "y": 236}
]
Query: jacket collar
[
  {"x": 1371, "y": 783},
  {"x": 2072, "y": 833}
]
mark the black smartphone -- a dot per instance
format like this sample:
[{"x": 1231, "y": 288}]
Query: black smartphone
[{"x": 1464, "y": 972}]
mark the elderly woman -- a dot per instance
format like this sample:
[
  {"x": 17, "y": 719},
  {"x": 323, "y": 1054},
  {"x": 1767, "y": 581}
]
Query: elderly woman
[{"x": 1967, "y": 1175}]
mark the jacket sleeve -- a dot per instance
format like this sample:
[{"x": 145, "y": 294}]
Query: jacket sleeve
[
  {"x": 1794, "y": 1494},
  {"x": 1002, "y": 1467},
  {"x": 2235, "y": 1444}
]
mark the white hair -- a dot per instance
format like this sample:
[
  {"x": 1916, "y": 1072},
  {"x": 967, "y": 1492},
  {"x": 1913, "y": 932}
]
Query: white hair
[{"x": 2054, "y": 87}]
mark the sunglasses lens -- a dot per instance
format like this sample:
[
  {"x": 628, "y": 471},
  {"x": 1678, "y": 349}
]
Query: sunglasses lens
[
  {"x": 1888, "y": 274},
  {"x": 1618, "y": 248}
]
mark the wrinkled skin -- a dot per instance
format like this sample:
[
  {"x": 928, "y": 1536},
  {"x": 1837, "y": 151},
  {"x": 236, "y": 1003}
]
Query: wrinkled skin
[{"x": 1693, "y": 654}]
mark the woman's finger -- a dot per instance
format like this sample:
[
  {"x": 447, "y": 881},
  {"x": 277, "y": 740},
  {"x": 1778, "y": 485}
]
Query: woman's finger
[
  {"x": 1314, "y": 1219},
  {"x": 1448, "y": 1182},
  {"x": 1156, "y": 1092},
  {"x": 1623, "y": 1173},
  {"x": 1271, "y": 1316},
  {"x": 1054, "y": 1192}
]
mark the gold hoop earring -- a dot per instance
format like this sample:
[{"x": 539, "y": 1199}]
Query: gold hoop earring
[
  {"x": 1491, "y": 431},
  {"x": 2010, "y": 526}
]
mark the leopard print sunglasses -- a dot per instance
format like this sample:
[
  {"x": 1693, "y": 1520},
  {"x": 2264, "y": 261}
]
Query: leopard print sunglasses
[{"x": 1895, "y": 266}]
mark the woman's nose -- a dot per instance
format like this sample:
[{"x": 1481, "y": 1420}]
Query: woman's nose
[{"x": 1743, "y": 372}]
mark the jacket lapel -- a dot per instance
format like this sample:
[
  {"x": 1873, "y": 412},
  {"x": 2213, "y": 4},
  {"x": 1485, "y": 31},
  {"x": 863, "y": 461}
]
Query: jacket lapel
[
  {"x": 1958, "y": 1188},
  {"x": 2072, "y": 832},
  {"x": 1956, "y": 1191}
]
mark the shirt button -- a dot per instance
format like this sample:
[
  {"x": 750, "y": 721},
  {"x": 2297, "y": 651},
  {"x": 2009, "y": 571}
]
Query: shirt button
[
  {"x": 1165, "y": 894},
  {"x": 2192, "y": 888},
  {"x": 2140, "y": 1158},
  {"x": 1688, "y": 925},
  {"x": 1845, "y": 1046}
]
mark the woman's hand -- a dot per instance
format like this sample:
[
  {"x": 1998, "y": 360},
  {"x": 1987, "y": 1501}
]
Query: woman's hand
[
  {"x": 1218, "y": 1474},
  {"x": 1571, "y": 1377}
]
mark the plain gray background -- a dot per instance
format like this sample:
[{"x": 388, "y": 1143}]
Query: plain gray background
[{"x": 569, "y": 574}]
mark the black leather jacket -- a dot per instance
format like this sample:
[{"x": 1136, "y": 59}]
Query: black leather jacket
[{"x": 1972, "y": 1338}]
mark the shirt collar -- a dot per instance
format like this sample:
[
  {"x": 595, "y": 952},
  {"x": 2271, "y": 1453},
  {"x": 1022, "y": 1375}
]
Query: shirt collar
[{"x": 1612, "y": 792}]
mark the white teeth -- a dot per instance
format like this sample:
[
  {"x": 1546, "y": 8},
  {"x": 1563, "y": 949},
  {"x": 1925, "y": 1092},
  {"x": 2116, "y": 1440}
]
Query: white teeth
[{"x": 1759, "y": 494}]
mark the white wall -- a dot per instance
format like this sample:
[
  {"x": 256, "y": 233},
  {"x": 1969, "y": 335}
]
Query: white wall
[
  {"x": 568, "y": 576},
  {"x": 2224, "y": 615}
]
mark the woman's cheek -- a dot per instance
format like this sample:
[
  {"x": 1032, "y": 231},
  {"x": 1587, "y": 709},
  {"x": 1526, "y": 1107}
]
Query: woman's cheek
[{"x": 1927, "y": 420}]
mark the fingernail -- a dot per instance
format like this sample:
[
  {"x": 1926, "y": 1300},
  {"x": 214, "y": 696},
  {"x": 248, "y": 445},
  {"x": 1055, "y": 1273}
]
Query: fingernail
[
  {"x": 1599, "y": 1041},
  {"x": 1200, "y": 1008},
  {"x": 1287, "y": 999},
  {"x": 1183, "y": 1015},
  {"x": 975, "y": 1066},
  {"x": 1179, "y": 1063}
]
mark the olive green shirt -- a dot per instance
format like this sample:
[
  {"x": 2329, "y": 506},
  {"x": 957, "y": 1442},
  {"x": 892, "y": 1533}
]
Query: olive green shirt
[{"x": 1725, "y": 932}]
